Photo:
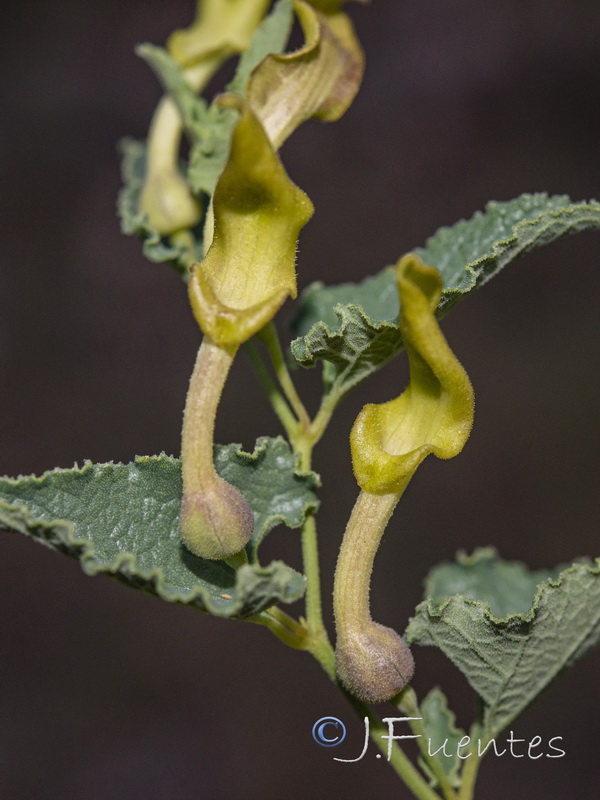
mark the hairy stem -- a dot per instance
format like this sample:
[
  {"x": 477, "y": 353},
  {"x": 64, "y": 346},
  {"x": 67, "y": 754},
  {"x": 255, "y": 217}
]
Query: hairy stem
[
  {"x": 365, "y": 528},
  {"x": 318, "y": 642},
  {"x": 269, "y": 336},
  {"x": 407, "y": 704},
  {"x": 278, "y": 403},
  {"x": 399, "y": 761},
  {"x": 373, "y": 661},
  {"x": 285, "y": 628},
  {"x": 471, "y": 768},
  {"x": 323, "y": 417}
]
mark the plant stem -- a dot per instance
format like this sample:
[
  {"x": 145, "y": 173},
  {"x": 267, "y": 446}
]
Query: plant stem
[
  {"x": 407, "y": 704},
  {"x": 318, "y": 641},
  {"x": 471, "y": 768},
  {"x": 323, "y": 417},
  {"x": 285, "y": 628},
  {"x": 365, "y": 528},
  {"x": 237, "y": 560},
  {"x": 215, "y": 520},
  {"x": 271, "y": 340},
  {"x": 278, "y": 403},
  {"x": 401, "y": 764},
  {"x": 313, "y": 637},
  {"x": 399, "y": 761}
]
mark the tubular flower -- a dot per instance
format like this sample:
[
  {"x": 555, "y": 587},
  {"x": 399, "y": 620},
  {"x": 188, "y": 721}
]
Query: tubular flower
[
  {"x": 221, "y": 28},
  {"x": 249, "y": 269},
  {"x": 389, "y": 441},
  {"x": 245, "y": 277},
  {"x": 319, "y": 80}
]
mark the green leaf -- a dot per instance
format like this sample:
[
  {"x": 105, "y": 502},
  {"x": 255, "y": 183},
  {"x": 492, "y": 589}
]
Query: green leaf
[
  {"x": 473, "y": 251},
  {"x": 353, "y": 340},
  {"x": 352, "y": 326},
  {"x": 508, "y": 586},
  {"x": 122, "y": 520},
  {"x": 271, "y": 36},
  {"x": 440, "y": 728},
  {"x": 510, "y": 660},
  {"x": 155, "y": 247},
  {"x": 268, "y": 478},
  {"x": 207, "y": 127}
]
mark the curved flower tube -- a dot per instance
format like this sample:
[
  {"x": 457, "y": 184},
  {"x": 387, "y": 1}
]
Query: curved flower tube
[
  {"x": 245, "y": 277},
  {"x": 319, "y": 80},
  {"x": 389, "y": 441}
]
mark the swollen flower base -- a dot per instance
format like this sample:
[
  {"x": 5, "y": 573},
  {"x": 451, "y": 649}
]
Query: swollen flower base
[{"x": 389, "y": 441}]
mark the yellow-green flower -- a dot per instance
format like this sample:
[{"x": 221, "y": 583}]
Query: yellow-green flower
[
  {"x": 434, "y": 414},
  {"x": 389, "y": 441},
  {"x": 249, "y": 269}
]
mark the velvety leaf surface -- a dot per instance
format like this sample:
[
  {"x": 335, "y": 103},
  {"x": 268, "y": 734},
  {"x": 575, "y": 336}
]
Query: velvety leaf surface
[
  {"x": 122, "y": 520},
  {"x": 508, "y": 586},
  {"x": 510, "y": 660},
  {"x": 440, "y": 728},
  {"x": 352, "y": 326}
]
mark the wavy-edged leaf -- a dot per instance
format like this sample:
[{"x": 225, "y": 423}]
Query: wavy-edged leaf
[
  {"x": 440, "y": 728},
  {"x": 508, "y": 586},
  {"x": 352, "y": 326},
  {"x": 269, "y": 479},
  {"x": 473, "y": 251},
  {"x": 510, "y": 660},
  {"x": 348, "y": 337},
  {"x": 122, "y": 520}
]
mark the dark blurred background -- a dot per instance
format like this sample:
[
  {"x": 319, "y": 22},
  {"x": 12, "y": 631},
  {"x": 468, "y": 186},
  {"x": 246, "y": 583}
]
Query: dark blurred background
[{"x": 107, "y": 693}]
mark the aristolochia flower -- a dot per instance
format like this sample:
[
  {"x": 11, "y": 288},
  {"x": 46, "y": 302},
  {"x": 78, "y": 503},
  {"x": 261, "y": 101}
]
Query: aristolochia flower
[
  {"x": 389, "y": 441},
  {"x": 249, "y": 269}
]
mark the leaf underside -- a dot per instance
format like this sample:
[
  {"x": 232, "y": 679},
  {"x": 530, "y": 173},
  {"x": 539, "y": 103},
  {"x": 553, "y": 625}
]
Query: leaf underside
[
  {"x": 509, "y": 660},
  {"x": 353, "y": 326},
  {"x": 123, "y": 520}
]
